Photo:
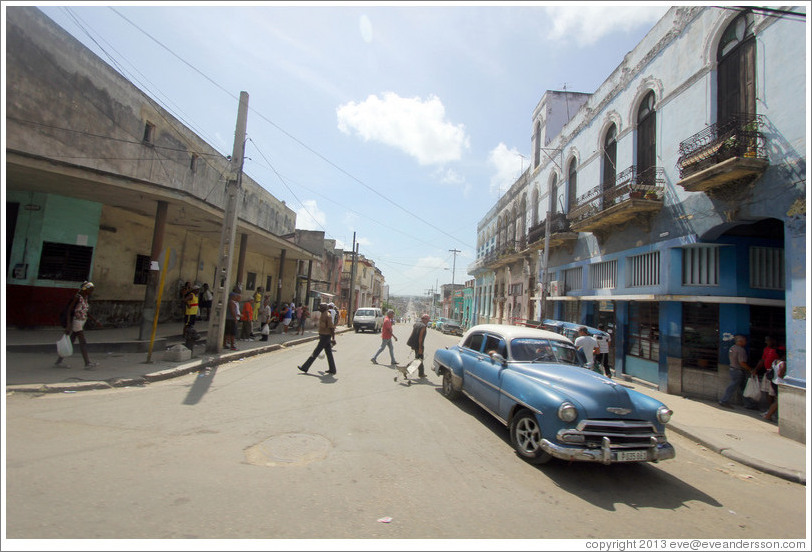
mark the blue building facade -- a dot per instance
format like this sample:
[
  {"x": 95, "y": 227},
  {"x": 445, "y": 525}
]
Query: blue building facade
[{"x": 675, "y": 203}]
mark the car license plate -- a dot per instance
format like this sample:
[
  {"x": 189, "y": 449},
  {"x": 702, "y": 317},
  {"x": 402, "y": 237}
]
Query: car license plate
[{"x": 632, "y": 456}]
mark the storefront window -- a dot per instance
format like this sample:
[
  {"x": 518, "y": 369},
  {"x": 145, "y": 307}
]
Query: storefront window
[
  {"x": 644, "y": 330},
  {"x": 700, "y": 335}
]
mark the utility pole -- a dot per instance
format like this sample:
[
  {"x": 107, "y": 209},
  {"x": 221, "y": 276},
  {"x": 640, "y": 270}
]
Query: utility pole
[
  {"x": 222, "y": 281},
  {"x": 453, "y": 271},
  {"x": 352, "y": 285}
]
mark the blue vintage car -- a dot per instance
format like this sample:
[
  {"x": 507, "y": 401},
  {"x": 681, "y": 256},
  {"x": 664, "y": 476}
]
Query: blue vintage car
[{"x": 530, "y": 380}]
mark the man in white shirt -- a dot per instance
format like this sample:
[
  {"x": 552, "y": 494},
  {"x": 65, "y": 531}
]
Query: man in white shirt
[
  {"x": 603, "y": 356},
  {"x": 588, "y": 346}
]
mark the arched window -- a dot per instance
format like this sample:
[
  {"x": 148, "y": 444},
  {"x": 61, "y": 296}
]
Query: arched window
[
  {"x": 646, "y": 140},
  {"x": 534, "y": 206},
  {"x": 737, "y": 69},
  {"x": 521, "y": 217},
  {"x": 537, "y": 140},
  {"x": 553, "y": 194},
  {"x": 572, "y": 185},
  {"x": 609, "y": 159}
]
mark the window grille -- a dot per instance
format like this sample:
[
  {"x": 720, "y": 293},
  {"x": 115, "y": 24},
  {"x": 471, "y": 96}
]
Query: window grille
[
  {"x": 603, "y": 275},
  {"x": 573, "y": 278},
  {"x": 700, "y": 265},
  {"x": 644, "y": 270},
  {"x": 65, "y": 262},
  {"x": 142, "y": 264},
  {"x": 767, "y": 268}
]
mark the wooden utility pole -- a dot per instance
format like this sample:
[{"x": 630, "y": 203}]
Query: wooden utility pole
[{"x": 221, "y": 286}]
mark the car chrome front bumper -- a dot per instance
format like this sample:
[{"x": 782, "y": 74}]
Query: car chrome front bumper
[{"x": 606, "y": 454}]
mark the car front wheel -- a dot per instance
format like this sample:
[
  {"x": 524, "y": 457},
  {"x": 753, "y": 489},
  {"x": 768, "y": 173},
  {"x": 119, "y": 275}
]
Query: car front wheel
[
  {"x": 525, "y": 436},
  {"x": 448, "y": 386}
]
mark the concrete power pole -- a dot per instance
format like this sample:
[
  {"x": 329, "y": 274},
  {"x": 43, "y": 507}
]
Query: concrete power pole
[
  {"x": 222, "y": 281},
  {"x": 453, "y": 271},
  {"x": 352, "y": 285}
]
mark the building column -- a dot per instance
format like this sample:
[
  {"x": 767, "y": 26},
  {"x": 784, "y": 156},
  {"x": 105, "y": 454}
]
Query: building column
[
  {"x": 670, "y": 361},
  {"x": 279, "y": 276}
]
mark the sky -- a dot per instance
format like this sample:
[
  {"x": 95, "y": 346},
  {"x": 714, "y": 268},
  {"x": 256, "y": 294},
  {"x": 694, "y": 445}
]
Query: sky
[{"x": 398, "y": 123}]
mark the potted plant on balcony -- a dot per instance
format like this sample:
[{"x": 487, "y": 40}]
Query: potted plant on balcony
[{"x": 651, "y": 194}]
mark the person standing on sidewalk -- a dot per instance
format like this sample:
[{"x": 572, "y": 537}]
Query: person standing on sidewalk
[
  {"x": 327, "y": 338},
  {"x": 77, "y": 315},
  {"x": 303, "y": 320},
  {"x": 779, "y": 369},
  {"x": 191, "y": 302},
  {"x": 588, "y": 346},
  {"x": 738, "y": 370},
  {"x": 386, "y": 339},
  {"x": 603, "y": 356},
  {"x": 416, "y": 341},
  {"x": 230, "y": 328}
]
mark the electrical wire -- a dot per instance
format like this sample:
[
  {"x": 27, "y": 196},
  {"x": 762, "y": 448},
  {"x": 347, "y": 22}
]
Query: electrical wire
[{"x": 292, "y": 137}]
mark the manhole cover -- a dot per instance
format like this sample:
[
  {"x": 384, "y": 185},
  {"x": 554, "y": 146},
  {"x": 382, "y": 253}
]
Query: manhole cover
[{"x": 290, "y": 449}]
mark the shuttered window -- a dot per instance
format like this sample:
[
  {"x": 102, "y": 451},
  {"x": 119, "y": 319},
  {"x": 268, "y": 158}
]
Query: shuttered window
[
  {"x": 603, "y": 275},
  {"x": 573, "y": 278},
  {"x": 700, "y": 265},
  {"x": 767, "y": 268},
  {"x": 644, "y": 270}
]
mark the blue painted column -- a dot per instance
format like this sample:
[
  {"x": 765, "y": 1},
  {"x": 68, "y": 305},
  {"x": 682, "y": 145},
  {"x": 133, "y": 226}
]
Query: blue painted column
[
  {"x": 621, "y": 335},
  {"x": 670, "y": 339}
]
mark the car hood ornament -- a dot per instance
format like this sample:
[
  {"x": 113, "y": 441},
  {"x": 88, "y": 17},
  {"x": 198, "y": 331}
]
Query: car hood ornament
[{"x": 617, "y": 410}]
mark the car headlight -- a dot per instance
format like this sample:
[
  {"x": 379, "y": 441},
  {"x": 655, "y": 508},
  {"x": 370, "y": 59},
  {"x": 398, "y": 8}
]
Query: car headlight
[
  {"x": 664, "y": 414},
  {"x": 567, "y": 412}
]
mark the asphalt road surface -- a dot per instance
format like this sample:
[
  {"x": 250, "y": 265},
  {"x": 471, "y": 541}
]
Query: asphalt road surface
[{"x": 255, "y": 449}]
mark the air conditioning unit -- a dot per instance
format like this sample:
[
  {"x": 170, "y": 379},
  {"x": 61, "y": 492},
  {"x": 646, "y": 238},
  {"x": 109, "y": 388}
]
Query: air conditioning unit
[{"x": 556, "y": 288}]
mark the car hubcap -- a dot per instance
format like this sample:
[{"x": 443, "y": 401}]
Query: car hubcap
[{"x": 528, "y": 435}]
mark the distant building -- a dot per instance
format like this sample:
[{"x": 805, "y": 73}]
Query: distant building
[{"x": 669, "y": 206}]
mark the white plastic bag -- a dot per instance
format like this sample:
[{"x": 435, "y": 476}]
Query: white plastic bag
[
  {"x": 265, "y": 329},
  {"x": 751, "y": 390},
  {"x": 64, "y": 347}
]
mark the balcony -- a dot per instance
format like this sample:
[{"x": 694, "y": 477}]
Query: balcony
[
  {"x": 502, "y": 255},
  {"x": 634, "y": 195},
  {"x": 723, "y": 153},
  {"x": 559, "y": 232}
]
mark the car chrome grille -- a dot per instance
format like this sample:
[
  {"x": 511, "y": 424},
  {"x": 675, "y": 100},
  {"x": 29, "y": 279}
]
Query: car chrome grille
[{"x": 625, "y": 434}]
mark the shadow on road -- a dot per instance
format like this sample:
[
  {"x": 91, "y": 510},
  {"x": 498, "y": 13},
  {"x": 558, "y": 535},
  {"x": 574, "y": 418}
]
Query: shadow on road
[
  {"x": 637, "y": 485},
  {"x": 200, "y": 386}
]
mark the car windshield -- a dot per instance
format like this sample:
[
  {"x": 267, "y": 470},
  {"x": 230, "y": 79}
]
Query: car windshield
[
  {"x": 542, "y": 350},
  {"x": 365, "y": 312}
]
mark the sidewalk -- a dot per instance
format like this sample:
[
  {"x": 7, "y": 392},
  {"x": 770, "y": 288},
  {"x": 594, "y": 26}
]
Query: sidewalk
[{"x": 739, "y": 434}]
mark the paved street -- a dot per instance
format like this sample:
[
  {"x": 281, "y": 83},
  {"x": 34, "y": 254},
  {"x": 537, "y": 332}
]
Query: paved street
[{"x": 255, "y": 449}]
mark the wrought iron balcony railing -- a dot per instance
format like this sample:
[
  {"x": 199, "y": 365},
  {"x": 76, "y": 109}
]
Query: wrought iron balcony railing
[
  {"x": 558, "y": 223},
  {"x": 738, "y": 136},
  {"x": 631, "y": 184}
]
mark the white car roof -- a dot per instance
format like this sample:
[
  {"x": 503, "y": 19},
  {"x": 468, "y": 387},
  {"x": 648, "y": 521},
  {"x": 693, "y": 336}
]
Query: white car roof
[{"x": 512, "y": 332}]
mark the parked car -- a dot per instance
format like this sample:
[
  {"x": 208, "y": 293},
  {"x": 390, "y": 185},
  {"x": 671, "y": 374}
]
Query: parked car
[
  {"x": 451, "y": 327},
  {"x": 368, "y": 318},
  {"x": 529, "y": 379},
  {"x": 567, "y": 329},
  {"x": 438, "y": 324}
]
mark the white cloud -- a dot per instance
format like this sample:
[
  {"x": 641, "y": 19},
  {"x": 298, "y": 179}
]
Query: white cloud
[
  {"x": 508, "y": 164},
  {"x": 452, "y": 178},
  {"x": 415, "y": 126},
  {"x": 586, "y": 25},
  {"x": 310, "y": 217}
]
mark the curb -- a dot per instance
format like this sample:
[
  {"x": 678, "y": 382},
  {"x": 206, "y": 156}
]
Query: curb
[
  {"x": 186, "y": 368},
  {"x": 771, "y": 469}
]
